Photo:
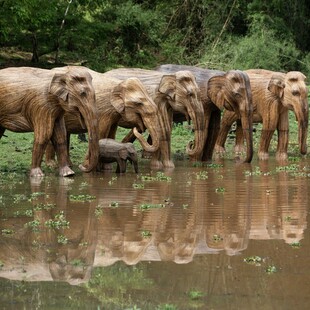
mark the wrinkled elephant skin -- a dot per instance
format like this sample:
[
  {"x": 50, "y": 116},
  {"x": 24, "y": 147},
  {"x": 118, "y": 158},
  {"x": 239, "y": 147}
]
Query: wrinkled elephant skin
[{"x": 35, "y": 100}]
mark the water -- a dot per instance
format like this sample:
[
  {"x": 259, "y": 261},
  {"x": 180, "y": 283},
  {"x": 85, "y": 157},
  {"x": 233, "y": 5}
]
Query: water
[{"x": 224, "y": 236}]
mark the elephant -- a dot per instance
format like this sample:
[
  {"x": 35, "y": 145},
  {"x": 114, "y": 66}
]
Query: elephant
[
  {"x": 171, "y": 92},
  {"x": 221, "y": 90},
  {"x": 115, "y": 99},
  {"x": 35, "y": 100},
  {"x": 111, "y": 151},
  {"x": 274, "y": 94}
]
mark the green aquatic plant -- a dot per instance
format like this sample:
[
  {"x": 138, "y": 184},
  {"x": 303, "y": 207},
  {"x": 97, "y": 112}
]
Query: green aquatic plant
[
  {"x": 77, "y": 263},
  {"x": 253, "y": 260},
  {"x": 217, "y": 238},
  {"x": 44, "y": 206},
  {"x": 33, "y": 225},
  {"x": 160, "y": 176},
  {"x": 7, "y": 231},
  {"x": 167, "y": 307},
  {"x": 147, "y": 206},
  {"x": 98, "y": 210},
  {"x": 146, "y": 233},
  {"x": 194, "y": 294},
  {"x": 62, "y": 239},
  {"x": 220, "y": 190},
  {"x": 202, "y": 175},
  {"x": 82, "y": 198},
  {"x": 114, "y": 204},
  {"x": 138, "y": 185},
  {"x": 112, "y": 181},
  {"x": 58, "y": 222},
  {"x": 292, "y": 167},
  {"x": 36, "y": 195},
  {"x": 271, "y": 269},
  {"x": 296, "y": 245},
  {"x": 287, "y": 218}
]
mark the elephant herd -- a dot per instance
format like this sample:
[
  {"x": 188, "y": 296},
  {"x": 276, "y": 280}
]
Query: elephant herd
[{"x": 74, "y": 99}]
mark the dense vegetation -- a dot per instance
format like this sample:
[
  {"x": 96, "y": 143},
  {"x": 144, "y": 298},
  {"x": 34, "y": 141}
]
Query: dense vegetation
[{"x": 222, "y": 34}]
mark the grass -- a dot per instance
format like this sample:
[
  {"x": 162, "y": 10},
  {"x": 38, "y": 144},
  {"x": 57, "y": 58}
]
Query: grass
[{"x": 16, "y": 149}]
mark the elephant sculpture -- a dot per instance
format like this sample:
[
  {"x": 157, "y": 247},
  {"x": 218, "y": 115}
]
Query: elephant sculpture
[
  {"x": 115, "y": 99},
  {"x": 35, "y": 100},
  {"x": 221, "y": 90},
  {"x": 274, "y": 94},
  {"x": 111, "y": 151},
  {"x": 171, "y": 92}
]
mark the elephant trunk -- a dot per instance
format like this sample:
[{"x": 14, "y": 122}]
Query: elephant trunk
[
  {"x": 302, "y": 134},
  {"x": 93, "y": 142},
  {"x": 146, "y": 146},
  {"x": 195, "y": 149},
  {"x": 247, "y": 127}
]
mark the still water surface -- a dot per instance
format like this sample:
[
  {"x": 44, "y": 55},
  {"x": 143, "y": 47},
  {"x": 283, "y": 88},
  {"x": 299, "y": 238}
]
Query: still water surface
[{"x": 223, "y": 236}]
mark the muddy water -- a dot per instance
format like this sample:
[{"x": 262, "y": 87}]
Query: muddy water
[{"x": 223, "y": 236}]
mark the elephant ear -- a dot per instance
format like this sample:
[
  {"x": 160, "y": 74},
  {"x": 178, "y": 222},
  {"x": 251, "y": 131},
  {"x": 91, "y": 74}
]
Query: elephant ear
[
  {"x": 276, "y": 85},
  {"x": 167, "y": 86},
  {"x": 58, "y": 86},
  {"x": 123, "y": 154},
  {"x": 215, "y": 90},
  {"x": 117, "y": 97}
]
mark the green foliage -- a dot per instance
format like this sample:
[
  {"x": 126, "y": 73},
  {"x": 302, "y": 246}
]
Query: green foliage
[{"x": 106, "y": 34}]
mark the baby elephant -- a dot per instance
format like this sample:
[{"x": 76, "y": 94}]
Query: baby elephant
[{"x": 111, "y": 151}]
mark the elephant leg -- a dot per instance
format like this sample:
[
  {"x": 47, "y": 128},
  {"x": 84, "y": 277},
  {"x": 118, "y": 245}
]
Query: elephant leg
[
  {"x": 2, "y": 130},
  {"x": 239, "y": 145},
  {"x": 265, "y": 139},
  {"x": 213, "y": 132},
  {"x": 283, "y": 135},
  {"x": 166, "y": 154},
  {"x": 226, "y": 123},
  {"x": 121, "y": 166},
  {"x": 50, "y": 155},
  {"x": 156, "y": 162},
  {"x": 59, "y": 139}
]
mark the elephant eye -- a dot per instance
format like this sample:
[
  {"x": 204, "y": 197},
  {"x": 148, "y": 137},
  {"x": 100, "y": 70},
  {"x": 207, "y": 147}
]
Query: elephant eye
[{"x": 295, "y": 93}]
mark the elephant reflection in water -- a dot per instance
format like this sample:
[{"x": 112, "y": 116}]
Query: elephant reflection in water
[
  {"x": 43, "y": 257},
  {"x": 224, "y": 220},
  {"x": 127, "y": 233},
  {"x": 283, "y": 215}
]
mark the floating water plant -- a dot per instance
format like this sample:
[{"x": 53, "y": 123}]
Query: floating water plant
[
  {"x": 296, "y": 245},
  {"x": 7, "y": 231},
  {"x": 147, "y": 206},
  {"x": 253, "y": 260},
  {"x": 271, "y": 269},
  {"x": 99, "y": 210},
  {"x": 217, "y": 238},
  {"x": 160, "y": 176},
  {"x": 62, "y": 239},
  {"x": 167, "y": 307},
  {"x": 146, "y": 233},
  {"x": 82, "y": 198},
  {"x": 220, "y": 190},
  {"x": 138, "y": 185},
  {"x": 202, "y": 175},
  {"x": 113, "y": 204},
  {"x": 58, "y": 222},
  {"x": 194, "y": 294}
]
